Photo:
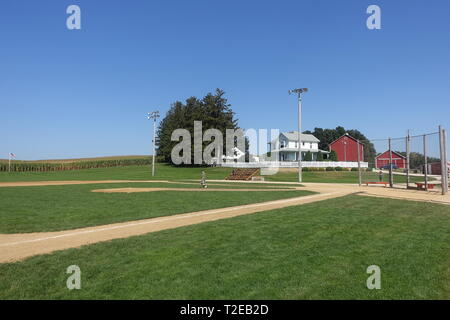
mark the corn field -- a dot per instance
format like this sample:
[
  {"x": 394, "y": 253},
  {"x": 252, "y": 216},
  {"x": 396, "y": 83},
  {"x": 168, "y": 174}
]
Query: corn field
[{"x": 24, "y": 166}]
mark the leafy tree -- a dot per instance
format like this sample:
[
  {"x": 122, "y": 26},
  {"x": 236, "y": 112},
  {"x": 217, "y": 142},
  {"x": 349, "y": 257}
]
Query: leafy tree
[
  {"x": 319, "y": 156},
  {"x": 213, "y": 110},
  {"x": 333, "y": 156},
  {"x": 326, "y": 136},
  {"x": 308, "y": 156},
  {"x": 417, "y": 160}
]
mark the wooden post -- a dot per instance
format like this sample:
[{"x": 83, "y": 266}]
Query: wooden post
[
  {"x": 359, "y": 163},
  {"x": 425, "y": 169},
  {"x": 408, "y": 151},
  {"x": 444, "y": 136},
  {"x": 391, "y": 175},
  {"x": 444, "y": 170}
]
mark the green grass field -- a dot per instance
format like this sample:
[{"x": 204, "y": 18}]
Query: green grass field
[
  {"x": 163, "y": 172},
  {"x": 167, "y": 172},
  {"x": 337, "y": 177},
  {"x": 315, "y": 251},
  {"x": 52, "y": 208}
]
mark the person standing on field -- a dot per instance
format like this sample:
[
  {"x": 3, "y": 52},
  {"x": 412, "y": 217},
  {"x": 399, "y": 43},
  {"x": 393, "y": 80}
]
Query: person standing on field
[
  {"x": 380, "y": 175},
  {"x": 203, "y": 180}
]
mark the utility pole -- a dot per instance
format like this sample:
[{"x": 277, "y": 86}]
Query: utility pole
[
  {"x": 299, "y": 94},
  {"x": 153, "y": 115}
]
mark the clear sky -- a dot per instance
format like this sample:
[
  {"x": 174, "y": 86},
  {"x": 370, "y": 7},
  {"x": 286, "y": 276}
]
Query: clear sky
[{"x": 78, "y": 93}]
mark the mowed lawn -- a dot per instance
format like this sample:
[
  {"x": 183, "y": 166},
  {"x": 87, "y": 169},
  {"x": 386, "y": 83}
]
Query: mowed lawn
[
  {"x": 163, "y": 172},
  {"x": 172, "y": 173},
  {"x": 53, "y": 208},
  {"x": 337, "y": 177},
  {"x": 315, "y": 251}
]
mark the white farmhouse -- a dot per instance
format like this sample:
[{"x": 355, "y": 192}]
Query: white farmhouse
[{"x": 285, "y": 147}]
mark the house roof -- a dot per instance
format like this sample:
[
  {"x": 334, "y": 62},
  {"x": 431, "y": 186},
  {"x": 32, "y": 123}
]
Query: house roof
[
  {"x": 293, "y": 136},
  {"x": 296, "y": 150},
  {"x": 348, "y": 136}
]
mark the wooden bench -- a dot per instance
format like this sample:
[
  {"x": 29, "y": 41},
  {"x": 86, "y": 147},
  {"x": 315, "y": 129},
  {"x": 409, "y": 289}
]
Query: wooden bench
[
  {"x": 421, "y": 185},
  {"x": 376, "y": 182}
]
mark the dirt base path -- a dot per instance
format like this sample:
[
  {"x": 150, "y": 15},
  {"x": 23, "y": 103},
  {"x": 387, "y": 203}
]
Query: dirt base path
[
  {"x": 15, "y": 247},
  {"x": 133, "y": 190}
]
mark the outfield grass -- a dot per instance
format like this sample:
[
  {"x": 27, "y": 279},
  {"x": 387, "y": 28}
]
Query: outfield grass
[
  {"x": 315, "y": 251},
  {"x": 168, "y": 172},
  {"x": 52, "y": 208},
  {"x": 337, "y": 177},
  {"x": 163, "y": 172}
]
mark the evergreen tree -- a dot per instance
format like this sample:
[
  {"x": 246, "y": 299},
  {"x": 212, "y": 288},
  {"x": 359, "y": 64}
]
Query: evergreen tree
[
  {"x": 213, "y": 110},
  {"x": 308, "y": 156},
  {"x": 333, "y": 156},
  {"x": 319, "y": 156}
]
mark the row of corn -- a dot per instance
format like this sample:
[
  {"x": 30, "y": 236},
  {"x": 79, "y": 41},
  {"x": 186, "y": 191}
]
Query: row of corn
[{"x": 24, "y": 166}]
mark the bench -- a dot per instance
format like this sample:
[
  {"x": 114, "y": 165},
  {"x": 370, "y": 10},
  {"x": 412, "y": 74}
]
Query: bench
[
  {"x": 376, "y": 182},
  {"x": 421, "y": 185}
]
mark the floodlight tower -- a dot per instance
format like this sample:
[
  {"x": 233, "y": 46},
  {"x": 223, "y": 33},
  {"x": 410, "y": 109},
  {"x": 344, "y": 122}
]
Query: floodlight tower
[
  {"x": 299, "y": 95},
  {"x": 153, "y": 115}
]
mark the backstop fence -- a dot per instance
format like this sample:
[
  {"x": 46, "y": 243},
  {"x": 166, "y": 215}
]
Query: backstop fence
[{"x": 412, "y": 161}]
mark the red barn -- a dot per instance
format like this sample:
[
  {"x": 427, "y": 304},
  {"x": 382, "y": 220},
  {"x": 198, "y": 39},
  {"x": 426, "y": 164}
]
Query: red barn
[
  {"x": 346, "y": 148},
  {"x": 383, "y": 159},
  {"x": 435, "y": 168}
]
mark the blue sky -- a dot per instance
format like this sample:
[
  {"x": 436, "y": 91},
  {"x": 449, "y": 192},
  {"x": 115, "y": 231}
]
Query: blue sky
[{"x": 78, "y": 93}]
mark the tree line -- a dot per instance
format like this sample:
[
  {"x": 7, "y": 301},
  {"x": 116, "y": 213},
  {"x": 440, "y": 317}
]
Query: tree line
[
  {"x": 216, "y": 113},
  {"x": 327, "y": 136}
]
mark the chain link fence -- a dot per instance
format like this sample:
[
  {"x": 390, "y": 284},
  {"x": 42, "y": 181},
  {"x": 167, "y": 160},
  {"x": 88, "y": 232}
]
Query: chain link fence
[{"x": 411, "y": 162}]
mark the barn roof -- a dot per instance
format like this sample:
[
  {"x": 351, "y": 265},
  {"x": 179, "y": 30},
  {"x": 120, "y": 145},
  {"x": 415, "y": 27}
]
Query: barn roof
[
  {"x": 345, "y": 135},
  {"x": 394, "y": 152}
]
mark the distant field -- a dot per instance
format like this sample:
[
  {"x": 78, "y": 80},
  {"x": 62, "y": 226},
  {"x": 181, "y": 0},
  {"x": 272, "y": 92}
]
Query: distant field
[
  {"x": 168, "y": 172},
  {"x": 80, "y": 159},
  {"x": 163, "y": 172},
  {"x": 73, "y": 164},
  {"x": 314, "y": 251}
]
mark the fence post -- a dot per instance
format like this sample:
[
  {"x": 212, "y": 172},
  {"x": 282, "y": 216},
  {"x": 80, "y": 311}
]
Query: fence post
[
  {"x": 444, "y": 169},
  {"x": 425, "y": 169},
  {"x": 359, "y": 163},
  {"x": 408, "y": 151},
  {"x": 391, "y": 176},
  {"x": 444, "y": 136}
]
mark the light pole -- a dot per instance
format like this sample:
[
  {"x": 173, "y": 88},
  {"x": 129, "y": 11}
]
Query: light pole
[
  {"x": 299, "y": 94},
  {"x": 153, "y": 115}
]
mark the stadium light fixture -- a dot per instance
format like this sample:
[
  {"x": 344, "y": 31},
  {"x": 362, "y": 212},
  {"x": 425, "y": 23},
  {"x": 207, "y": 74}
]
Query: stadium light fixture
[
  {"x": 153, "y": 115},
  {"x": 299, "y": 95}
]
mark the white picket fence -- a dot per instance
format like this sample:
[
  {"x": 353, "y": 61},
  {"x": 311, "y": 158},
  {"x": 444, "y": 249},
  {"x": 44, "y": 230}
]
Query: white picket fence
[{"x": 292, "y": 164}]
